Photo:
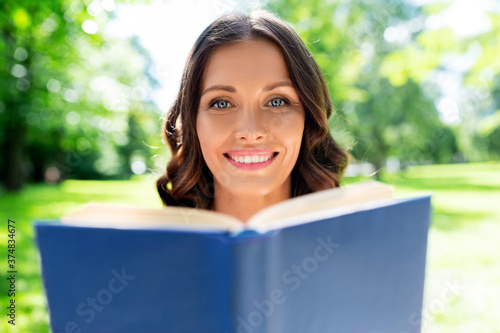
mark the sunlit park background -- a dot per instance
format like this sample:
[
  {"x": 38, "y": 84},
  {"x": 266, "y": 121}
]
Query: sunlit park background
[{"x": 416, "y": 87}]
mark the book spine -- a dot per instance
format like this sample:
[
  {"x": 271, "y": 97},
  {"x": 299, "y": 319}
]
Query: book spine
[{"x": 254, "y": 260}]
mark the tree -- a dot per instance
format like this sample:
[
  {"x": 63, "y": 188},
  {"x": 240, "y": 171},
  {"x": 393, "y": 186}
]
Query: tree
[
  {"x": 67, "y": 92},
  {"x": 364, "y": 49},
  {"x": 462, "y": 56}
]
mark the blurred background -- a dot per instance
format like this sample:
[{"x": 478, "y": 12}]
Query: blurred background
[{"x": 85, "y": 84}]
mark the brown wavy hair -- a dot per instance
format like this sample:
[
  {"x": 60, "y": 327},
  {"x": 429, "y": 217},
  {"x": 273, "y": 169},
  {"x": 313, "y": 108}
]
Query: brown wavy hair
[{"x": 321, "y": 161}]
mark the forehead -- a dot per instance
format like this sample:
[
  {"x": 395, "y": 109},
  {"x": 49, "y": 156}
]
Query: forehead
[{"x": 250, "y": 61}]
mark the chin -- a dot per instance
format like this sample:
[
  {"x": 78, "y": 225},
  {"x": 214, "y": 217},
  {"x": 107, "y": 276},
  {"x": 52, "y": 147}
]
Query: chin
[{"x": 255, "y": 187}]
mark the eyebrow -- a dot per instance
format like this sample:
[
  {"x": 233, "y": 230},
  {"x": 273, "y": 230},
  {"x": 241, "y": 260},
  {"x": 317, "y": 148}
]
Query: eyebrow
[
  {"x": 232, "y": 89},
  {"x": 273, "y": 86},
  {"x": 219, "y": 87}
]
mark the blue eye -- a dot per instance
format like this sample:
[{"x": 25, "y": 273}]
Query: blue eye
[
  {"x": 277, "y": 102},
  {"x": 220, "y": 104}
]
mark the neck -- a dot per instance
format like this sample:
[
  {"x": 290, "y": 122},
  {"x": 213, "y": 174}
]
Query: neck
[{"x": 243, "y": 207}]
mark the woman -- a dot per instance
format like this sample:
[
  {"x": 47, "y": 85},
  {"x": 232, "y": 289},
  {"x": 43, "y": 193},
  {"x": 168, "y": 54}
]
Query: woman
[{"x": 249, "y": 127}]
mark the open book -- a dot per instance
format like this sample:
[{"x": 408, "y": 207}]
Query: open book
[
  {"x": 298, "y": 210},
  {"x": 341, "y": 260}
]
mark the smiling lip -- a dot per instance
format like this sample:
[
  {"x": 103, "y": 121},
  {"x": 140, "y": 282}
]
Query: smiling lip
[{"x": 250, "y": 159}]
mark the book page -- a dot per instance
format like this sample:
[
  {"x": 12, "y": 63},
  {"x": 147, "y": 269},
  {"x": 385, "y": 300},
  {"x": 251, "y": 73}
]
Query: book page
[
  {"x": 350, "y": 196},
  {"x": 105, "y": 215}
]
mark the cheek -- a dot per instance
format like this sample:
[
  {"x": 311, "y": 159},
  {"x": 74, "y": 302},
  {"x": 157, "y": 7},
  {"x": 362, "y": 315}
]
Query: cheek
[
  {"x": 210, "y": 137},
  {"x": 290, "y": 131},
  {"x": 203, "y": 134},
  {"x": 296, "y": 140}
]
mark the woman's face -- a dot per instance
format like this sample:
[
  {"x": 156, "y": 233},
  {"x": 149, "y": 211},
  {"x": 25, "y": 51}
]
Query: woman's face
[{"x": 250, "y": 119}]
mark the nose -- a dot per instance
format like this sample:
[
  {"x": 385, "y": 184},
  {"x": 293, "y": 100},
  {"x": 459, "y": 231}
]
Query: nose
[{"x": 251, "y": 125}]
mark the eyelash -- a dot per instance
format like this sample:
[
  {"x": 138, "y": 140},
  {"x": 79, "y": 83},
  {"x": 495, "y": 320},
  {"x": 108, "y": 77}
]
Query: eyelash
[
  {"x": 285, "y": 101},
  {"x": 214, "y": 102}
]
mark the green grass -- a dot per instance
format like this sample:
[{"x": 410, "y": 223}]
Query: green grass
[{"x": 464, "y": 244}]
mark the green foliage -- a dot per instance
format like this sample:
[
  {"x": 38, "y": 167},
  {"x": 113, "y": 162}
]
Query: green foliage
[
  {"x": 388, "y": 123},
  {"x": 379, "y": 60},
  {"x": 70, "y": 97}
]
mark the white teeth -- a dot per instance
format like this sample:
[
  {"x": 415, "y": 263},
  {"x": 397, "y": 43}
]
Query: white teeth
[{"x": 250, "y": 159}]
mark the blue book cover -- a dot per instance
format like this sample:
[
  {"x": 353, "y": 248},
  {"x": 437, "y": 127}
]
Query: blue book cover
[{"x": 354, "y": 270}]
